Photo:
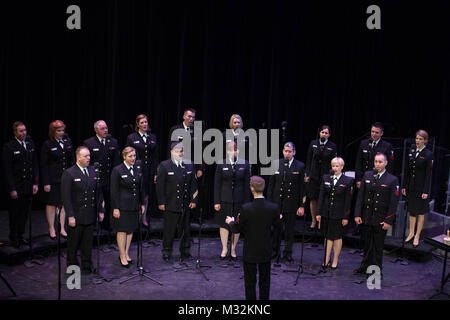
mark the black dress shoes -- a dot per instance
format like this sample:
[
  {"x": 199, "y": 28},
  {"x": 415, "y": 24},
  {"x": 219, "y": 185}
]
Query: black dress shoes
[
  {"x": 123, "y": 265},
  {"x": 130, "y": 261},
  {"x": 288, "y": 258},
  {"x": 233, "y": 258},
  {"x": 52, "y": 238},
  {"x": 166, "y": 257},
  {"x": 63, "y": 236}
]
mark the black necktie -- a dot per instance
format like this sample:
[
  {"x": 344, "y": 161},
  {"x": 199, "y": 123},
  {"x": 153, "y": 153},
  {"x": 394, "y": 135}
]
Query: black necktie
[
  {"x": 61, "y": 143},
  {"x": 103, "y": 141},
  {"x": 377, "y": 177},
  {"x": 86, "y": 172},
  {"x": 131, "y": 170},
  {"x": 23, "y": 145},
  {"x": 417, "y": 153},
  {"x": 335, "y": 181},
  {"x": 144, "y": 137}
]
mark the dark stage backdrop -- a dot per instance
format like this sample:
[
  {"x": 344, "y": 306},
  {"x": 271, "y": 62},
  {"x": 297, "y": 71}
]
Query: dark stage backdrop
[{"x": 306, "y": 62}]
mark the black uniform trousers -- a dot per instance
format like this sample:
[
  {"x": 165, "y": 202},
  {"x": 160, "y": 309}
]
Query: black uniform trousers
[
  {"x": 288, "y": 224},
  {"x": 80, "y": 237},
  {"x": 106, "y": 223},
  {"x": 19, "y": 209},
  {"x": 373, "y": 236},
  {"x": 172, "y": 220},
  {"x": 250, "y": 270}
]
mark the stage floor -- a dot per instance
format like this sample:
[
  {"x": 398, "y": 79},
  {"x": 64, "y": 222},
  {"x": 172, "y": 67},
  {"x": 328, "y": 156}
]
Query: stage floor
[{"x": 417, "y": 280}]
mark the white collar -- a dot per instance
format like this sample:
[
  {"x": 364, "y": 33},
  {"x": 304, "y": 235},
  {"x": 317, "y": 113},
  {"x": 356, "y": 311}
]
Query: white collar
[
  {"x": 185, "y": 127},
  {"x": 376, "y": 142},
  {"x": 381, "y": 174},
  {"x": 338, "y": 177},
  {"x": 231, "y": 160},
  {"x": 326, "y": 140},
  {"x": 235, "y": 133},
  {"x": 100, "y": 139},
  {"x": 177, "y": 163},
  {"x": 20, "y": 142},
  {"x": 420, "y": 150},
  {"x": 126, "y": 165},
  {"x": 142, "y": 134},
  {"x": 82, "y": 169},
  {"x": 259, "y": 197}
]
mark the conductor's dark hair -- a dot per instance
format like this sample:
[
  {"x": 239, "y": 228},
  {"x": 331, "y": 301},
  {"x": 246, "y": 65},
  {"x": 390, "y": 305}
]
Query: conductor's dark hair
[
  {"x": 257, "y": 183},
  {"x": 378, "y": 125}
]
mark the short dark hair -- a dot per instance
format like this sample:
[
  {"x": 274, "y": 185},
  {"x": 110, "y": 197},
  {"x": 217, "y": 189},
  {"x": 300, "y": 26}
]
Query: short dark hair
[
  {"x": 289, "y": 145},
  {"x": 378, "y": 125},
  {"x": 190, "y": 109},
  {"x": 78, "y": 151},
  {"x": 382, "y": 154},
  {"x": 176, "y": 144},
  {"x": 325, "y": 127},
  {"x": 257, "y": 183}
]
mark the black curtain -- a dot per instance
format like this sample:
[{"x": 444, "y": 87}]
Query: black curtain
[{"x": 306, "y": 62}]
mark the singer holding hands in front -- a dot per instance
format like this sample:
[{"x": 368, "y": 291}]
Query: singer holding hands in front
[
  {"x": 334, "y": 209},
  {"x": 177, "y": 192},
  {"x": 320, "y": 153},
  {"x": 127, "y": 201},
  {"x": 231, "y": 190},
  {"x": 286, "y": 188},
  {"x": 56, "y": 156},
  {"x": 375, "y": 210},
  {"x": 417, "y": 185},
  {"x": 145, "y": 145}
]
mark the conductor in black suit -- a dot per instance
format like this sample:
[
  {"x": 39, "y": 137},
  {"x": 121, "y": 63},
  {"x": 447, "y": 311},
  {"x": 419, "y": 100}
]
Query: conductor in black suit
[
  {"x": 255, "y": 222},
  {"x": 231, "y": 190},
  {"x": 82, "y": 202},
  {"x": 417, "y": 185},
  {"x": 104, "y": 150},
  {"x": 369, "y": 148},
  {"x": 177, "y": 192},
  {"x": 20, "y": 171},
  {"x": 375, "y": 209},
  {"x": 287, "y": 188}
]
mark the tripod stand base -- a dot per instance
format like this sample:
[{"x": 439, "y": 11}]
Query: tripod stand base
[
  {"x": 141, "y": 274},
  {"x": 8, "y": 285},
  {"x": 440, "y": 292}
]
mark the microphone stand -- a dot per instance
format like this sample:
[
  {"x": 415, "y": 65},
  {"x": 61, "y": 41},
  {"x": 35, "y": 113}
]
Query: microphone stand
[
  {"x": 58, "y": 248},
  {"x": 141, "y": 273},
  {"x": 98, "y": 278},
  {"x": 280, "y": 230},
  {"x": 31, "y": 262},
  {"x": 324, "y": 265},
  {"x": 233, "y": 182},
  {"x": 183, "y": 216},
  {"x": 8, "y": 285}
]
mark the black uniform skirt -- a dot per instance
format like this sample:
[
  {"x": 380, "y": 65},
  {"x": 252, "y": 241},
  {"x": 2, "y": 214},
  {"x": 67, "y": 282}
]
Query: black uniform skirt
[
  {"x": 335, "y": 228},
  {"x": 417, "y": 205},
  {"x": 313, "y": 189},
  {"x": 128, "y": 221},
  {"x": 52, "y": 198},
  {"x": 225, "y": 210}
]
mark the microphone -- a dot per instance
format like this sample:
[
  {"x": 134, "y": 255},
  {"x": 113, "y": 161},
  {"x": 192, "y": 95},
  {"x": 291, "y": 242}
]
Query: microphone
[
  {"x": 331, "y": 172},
  {"x": 286, "y": 162},
  {"x": 413, "y": 147},
  {"x": 181, "y": 163},
  {"x": 138, "y": 164},
  {"x": 283, "y": 125},
  {"x": 97, "y": 167},
  {"x": 375, "y": 172},
  {"x": 322, "y": 139}
]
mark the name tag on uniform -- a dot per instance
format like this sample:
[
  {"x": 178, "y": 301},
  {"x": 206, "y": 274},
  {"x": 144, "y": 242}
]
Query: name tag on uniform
[
  {"x": 367, "y": 181},
  {"x": 277, "y": 172},
  {"x": 228, "y": 140},
  {"x": 180, "y": 138},
  {"x": 54, "y": 149},
  {"x": 125, "y": 176},
  {"x": 16, "y": 152},
  {"x": 384, "y": 185},
  {"x": 136, "y": 142},
  {"x": 96, "y": 149},
  {"x": 189, "y": 172},
  {"x": 225, "y": 169},
  {"x": 410, "y": 155},
  {"x": 170, "y": 173},
  {"x": 240, "y": 169},
  {"x": 314, "y": 146},
  {"x": 77, "y": 180},
  {"x": 327, "y": 183},
  {"x": 365, "y": 151}
]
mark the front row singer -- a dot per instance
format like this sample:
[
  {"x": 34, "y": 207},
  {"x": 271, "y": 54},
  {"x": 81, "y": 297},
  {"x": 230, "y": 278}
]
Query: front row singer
[
  {"x": 79, "y": 197},
  {"x": 176, "y": 188},
  {"x": 333, "y": 209},
  {"x": 128, "y": 198},
  {"x": 375, "y": 209},
  {"x": 255, "y": 222}
]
